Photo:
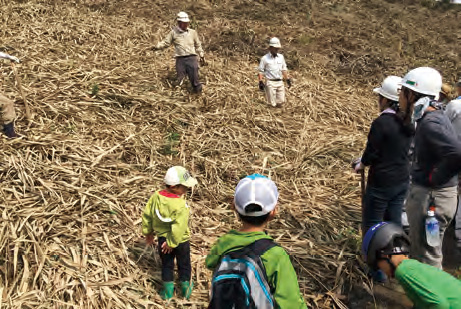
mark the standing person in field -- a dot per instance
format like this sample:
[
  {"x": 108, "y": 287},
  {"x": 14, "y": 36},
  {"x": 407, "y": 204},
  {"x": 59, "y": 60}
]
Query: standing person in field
[
  {"x": 436, "y": 164},
  {"x": 7, "y": 107},
  {"x": 453, "y": 112},
  {"x": 273, "y": 67},
  {"x": 167, "y": 215},
  {"x": 187, "y": 47},
  {"x": 386, "y": 153},
  {"x": 250, "y": 269}
]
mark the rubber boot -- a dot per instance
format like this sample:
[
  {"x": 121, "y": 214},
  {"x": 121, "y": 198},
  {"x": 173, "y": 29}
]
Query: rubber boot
[
  {"x": 9, "y": 130},
  {"x": 167, "y": 291},
  {"x": 186, "y": 288}
]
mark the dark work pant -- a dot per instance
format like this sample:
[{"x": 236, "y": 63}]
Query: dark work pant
[
  {"x": 383, "y": 204},
  {"x": 182, "y": 255},
  {"x": 188, "y": 65},
  {"x": 458, "y": 220}
]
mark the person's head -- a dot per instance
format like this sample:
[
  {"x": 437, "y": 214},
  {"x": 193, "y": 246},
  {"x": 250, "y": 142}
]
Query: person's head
[
  {"x": 458, "y": 87},
  {"x": 445, "y": 93},
  {"x": 183, "y": 20},
  {"x": 178, "y": 180},
  {"x": 389, "y": 93},
  {"x": 255, "y": 200},
  {"x": 274, "y": 45},
  {"x": 416, "y": 84},
  {"x": 383, "y": 241}
]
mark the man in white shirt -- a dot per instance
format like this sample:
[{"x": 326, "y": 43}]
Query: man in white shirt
[
  {"x": 7, "y": 113},
  {"x": 274, "y": 69},
  {"x": 187, "y": 46}
]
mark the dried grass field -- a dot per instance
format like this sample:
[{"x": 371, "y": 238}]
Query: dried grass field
[{"x": 108, "y": 121}]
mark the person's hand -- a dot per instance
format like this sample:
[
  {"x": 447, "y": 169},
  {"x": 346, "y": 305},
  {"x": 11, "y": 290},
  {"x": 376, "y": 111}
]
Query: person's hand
[
  {"x": 149, "y": 240},
  {"x": 289, "y": 83},
  {"x": 202, "y": 61},
  {"x": 166, "y": 249},
  {"x": 261, "y": 85}
]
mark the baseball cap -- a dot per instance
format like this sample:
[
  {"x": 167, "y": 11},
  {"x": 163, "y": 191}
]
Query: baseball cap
[
  {"x": 255, "y": 189},
  {"x": 178, "y": 175}
]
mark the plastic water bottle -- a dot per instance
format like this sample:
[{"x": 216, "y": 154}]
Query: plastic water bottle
[{"x": 432, "y": 228}]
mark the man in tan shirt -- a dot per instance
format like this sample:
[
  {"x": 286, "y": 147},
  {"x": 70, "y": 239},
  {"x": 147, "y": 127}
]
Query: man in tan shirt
[
  {"x": 187, "y": 47},
  {"x": 8, "y": 114}
]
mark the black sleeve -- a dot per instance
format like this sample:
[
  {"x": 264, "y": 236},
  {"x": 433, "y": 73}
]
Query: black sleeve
[
  {"x": 447, "y": 147},
  {"x": 374, "y": 143}
]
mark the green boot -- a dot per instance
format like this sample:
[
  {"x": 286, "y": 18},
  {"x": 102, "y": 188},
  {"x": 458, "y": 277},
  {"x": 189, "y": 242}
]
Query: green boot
[
  {"x": 186, "y": 288},
  {"x": 167, "y": 291}
]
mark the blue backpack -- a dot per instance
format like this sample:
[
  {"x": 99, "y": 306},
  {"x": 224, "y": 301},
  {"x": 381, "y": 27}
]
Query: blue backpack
[{"x": 240, "y": 280}]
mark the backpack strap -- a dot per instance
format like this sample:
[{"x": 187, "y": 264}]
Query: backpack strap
[{"x": 260, "y": 246}]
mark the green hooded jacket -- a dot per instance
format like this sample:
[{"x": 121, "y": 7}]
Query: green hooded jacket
[
  {"x": 167, "y": 215},
  {"x": 279, "y": 270},
  {"x": 428, "y": 286}
]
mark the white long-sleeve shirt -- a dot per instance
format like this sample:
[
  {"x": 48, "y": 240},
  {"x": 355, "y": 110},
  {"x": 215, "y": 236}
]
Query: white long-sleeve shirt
[
  {"x": 185, "y": 43},
  {"x": 272, "y": 67}
]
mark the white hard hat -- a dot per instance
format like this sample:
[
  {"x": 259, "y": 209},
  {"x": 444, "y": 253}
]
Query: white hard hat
[
  {"x": 390, "y": 88},
  {"x": 182, "y": 16},
  {"x": 275, "y": 42},
  {"x": 423, "y": 80}
]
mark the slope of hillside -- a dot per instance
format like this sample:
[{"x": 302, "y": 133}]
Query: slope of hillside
[{"x": 108, "y": 123}]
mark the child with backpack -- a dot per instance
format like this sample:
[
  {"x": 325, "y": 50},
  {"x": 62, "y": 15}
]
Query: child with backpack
[
  {"x": 250, "y": 269},
  {"x": 167, "y": 214}
]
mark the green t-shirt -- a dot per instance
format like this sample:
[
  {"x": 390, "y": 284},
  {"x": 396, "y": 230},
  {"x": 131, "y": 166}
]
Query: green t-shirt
[
  {"x": 279, "y": 270},
  {"x": 428, "y": 286}
]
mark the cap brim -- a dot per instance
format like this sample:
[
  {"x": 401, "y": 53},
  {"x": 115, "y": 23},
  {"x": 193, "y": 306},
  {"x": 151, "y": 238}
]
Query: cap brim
[
  {"x": 376, "y": 90},
  {"x": 191, "y": 181}
]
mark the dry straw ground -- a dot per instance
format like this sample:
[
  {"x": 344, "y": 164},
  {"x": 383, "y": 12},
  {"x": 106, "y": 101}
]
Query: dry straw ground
[{"x": 108, "y": 121}]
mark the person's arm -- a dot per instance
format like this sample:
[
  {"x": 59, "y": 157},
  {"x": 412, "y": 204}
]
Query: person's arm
[
  {"x": 178, "y": 227},
  {"x": 285, "y": 70},
  {"x": 261, "y": 69},
  {"x": 448, "y": 148},
  {"x": 282, "y": 279},
  {"x": 424, "y": 284},
  {"x": 166, "y": 42},
  {"x": 374, "y": 144},
  {"x": 147, "y": 228},
  {"x": 198, "y": 46},
  {"x": 9, "y": 57}
]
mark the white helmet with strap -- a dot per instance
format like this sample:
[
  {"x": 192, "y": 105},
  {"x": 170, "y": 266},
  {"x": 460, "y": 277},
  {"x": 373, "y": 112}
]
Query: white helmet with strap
[
  {"x": 182, "y": 16},
  {"x": 390, "y": 88},
  {"x": 423, "y": 80}
]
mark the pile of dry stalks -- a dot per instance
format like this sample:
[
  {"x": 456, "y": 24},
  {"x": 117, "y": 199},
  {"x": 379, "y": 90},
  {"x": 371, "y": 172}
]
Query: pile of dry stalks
[{"x": 107, "y": 124}]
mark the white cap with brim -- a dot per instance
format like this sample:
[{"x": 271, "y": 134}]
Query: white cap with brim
[
  {"x": 178, "y": 175},
  {"x": 255, "y": 189}
]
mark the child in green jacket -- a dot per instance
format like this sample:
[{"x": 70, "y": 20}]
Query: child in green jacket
[
  {"x": 167, "y": 214},
  {"x": 255, "y": 202}
]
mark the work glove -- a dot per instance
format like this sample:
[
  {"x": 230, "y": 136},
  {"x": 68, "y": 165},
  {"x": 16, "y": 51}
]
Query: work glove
[
  {"x": 289, "y": 82},
  {"x": 357, "y": 165},
  {"x": 261, "y": 85},
  {"x": 202, "y": 61},
  {"x": 15, "y": 59}
]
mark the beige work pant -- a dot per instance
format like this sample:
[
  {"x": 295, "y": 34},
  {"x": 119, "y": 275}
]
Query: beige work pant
[
  {"x": 445, "y": 200},
  {"x": 275, "y": 92},
  {"x": 7, "y": 110}
]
